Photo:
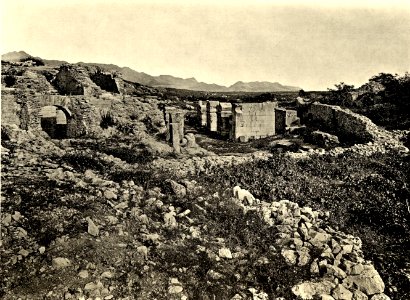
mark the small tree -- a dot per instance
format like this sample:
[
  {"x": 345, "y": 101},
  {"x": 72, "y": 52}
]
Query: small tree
[{"x": 342, "y": 94}]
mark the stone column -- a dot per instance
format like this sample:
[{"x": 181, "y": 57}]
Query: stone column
[
  {"x": 201, "y": 113},
  {"x": 212, "y": 119},
  {"x": 224, "y": 117}
]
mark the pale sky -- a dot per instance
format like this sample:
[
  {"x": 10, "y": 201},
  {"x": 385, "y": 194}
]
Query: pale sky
[{"x": 311, "y": 44}]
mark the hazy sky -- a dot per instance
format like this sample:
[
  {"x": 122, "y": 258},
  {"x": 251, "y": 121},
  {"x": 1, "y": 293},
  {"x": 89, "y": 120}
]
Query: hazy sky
[{"x": 311, "y": 45}]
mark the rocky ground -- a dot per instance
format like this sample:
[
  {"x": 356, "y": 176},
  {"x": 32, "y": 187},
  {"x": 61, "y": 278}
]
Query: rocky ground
[{"x": 109, "y": 219}]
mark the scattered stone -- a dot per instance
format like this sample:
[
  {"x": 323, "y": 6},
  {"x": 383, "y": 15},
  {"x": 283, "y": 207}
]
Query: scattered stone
[
  {"x": 225, "y": 253},
  {"x": 6, "y": 220},
  {"x": 107, "y": 274},
  {"x": 92, "y": 228},
  {"x": 83, "y": 274},
  {"x": 359, "y": 295},
  {"x": 214, "y": 275},
  {"x": 380, "y": 297},
  {"x": 304, "y": 258},
  {"x": 17, "y": 215},
  {"x": 110, "y": 195},
  {"x": 289, "y": 256},
  {"x": 143, "y": 250},
  {"x": 175, "y": 289},
  {"x": 178, "y": 189},
  {"x": 61, "y": 262},
  {"x": 307, "y": 290},
  {"x": 24, "y": 252},
  {"x": 342, "y": 293},
  {"x": 42, "y": 249}
]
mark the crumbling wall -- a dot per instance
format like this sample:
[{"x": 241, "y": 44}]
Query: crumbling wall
[
  {"x": 67, "y": 82},
  {"x": 10, "y": 109},
  {"x": 105, "y": 81},
  {"x": 344, "y": 123},
  {"x": 253, "y": 120}
]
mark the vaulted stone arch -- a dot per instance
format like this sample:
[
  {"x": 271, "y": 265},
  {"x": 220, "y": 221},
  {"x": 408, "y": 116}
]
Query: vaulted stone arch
[{"x": 55, "y": 120}]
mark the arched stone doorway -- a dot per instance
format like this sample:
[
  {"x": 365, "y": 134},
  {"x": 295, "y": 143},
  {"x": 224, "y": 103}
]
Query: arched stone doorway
[{"x": 54, "y": 120}]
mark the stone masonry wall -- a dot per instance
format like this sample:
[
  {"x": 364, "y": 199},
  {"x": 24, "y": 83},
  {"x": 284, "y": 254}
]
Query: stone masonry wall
[
  {"x": 253, "y": 120},
  {"x": 342, "y": 122}
]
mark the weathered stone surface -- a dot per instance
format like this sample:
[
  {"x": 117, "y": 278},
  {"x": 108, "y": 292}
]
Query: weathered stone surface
[
  {"x": 253, "y": 120},
  {"x": 290, "y": 256},
  {"x": 369, "y": 281},
  {"x": 92, "y": 228},
  {"x": 359, "y": 295},
  {"x": 342, "y": 293},
  {"x": 225, "y": 253},
  {"x": 178, "y": 189},
  {"x": 319, "y": 239},
  {"x": 380, "y": 297},
  {"x": 61, "y": 262},
  {"x": 324, "y": 139},
  {"x": 307, "y": 290}
]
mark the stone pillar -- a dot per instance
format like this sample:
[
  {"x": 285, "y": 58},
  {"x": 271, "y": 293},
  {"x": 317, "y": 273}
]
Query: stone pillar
[
  {"x": 201, "y": 113},
  {"x": 175, "y": 129},
  {"x": 280, "y": 120},
  {"x": 224, "y": 119},
  {"x": 167, "y": 118},
  {"x": 212, "y": 118},
  {"x": 176, "y": 138}
]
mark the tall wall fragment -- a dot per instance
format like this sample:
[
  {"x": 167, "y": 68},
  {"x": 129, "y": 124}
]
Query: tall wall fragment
[
  {"x": 253, "y": 120},
  {"x": 224, "y": 119}
]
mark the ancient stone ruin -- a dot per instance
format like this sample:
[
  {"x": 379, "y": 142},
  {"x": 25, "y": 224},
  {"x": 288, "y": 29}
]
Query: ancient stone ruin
[
  {"x": 201, "y": 112},
  {"x": 285, "y": 118},
  {"x": 253, "y": 120},
  {"x": 245, "y": 121},
  {"x": 224, "y": 119},
  {"x": 211, "y": 116},
  {"x": 342, "y": 122},
  {"x": 174, "y": 120}
]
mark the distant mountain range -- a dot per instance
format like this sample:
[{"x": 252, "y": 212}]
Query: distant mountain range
[{"x": 165, "y": 81}]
